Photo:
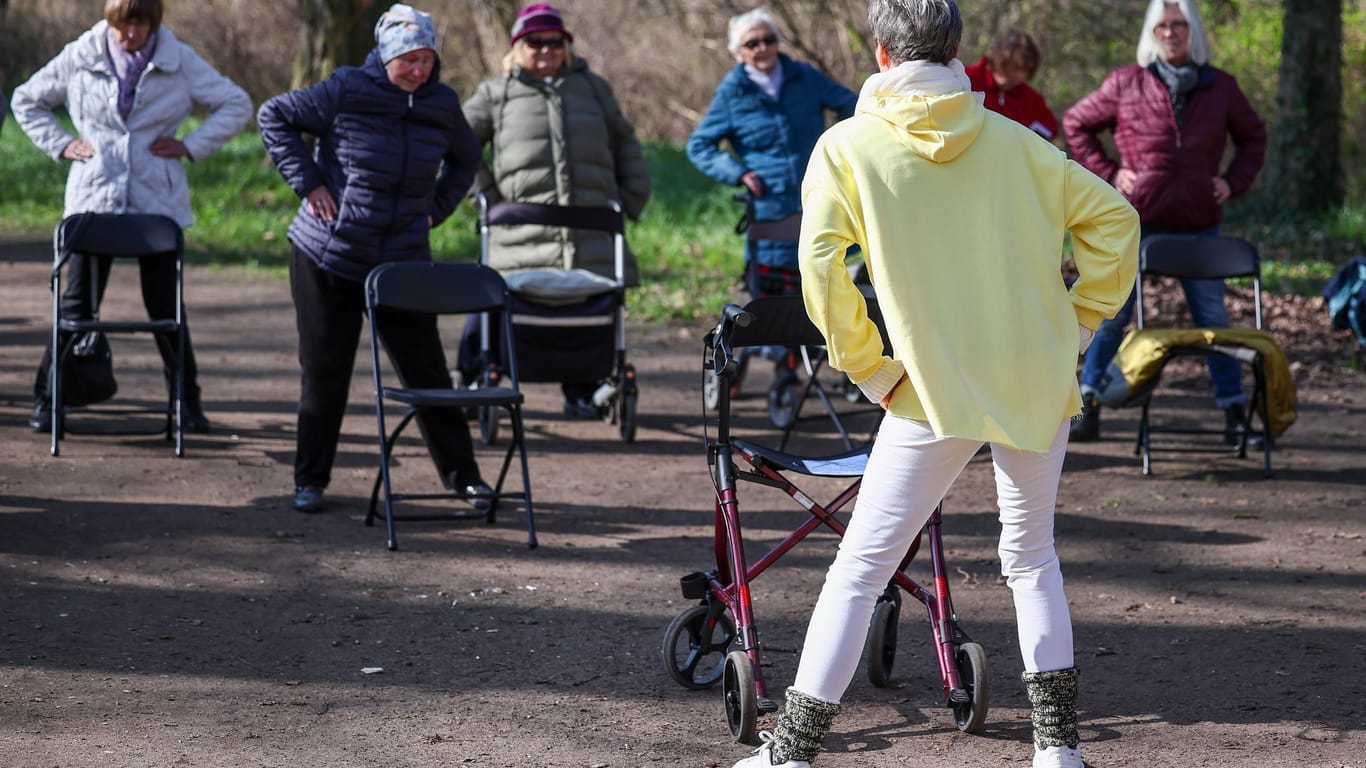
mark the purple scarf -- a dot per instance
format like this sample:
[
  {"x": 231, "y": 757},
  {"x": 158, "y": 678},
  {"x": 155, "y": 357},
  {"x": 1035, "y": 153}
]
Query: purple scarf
[{"x": 128, "y": 68}]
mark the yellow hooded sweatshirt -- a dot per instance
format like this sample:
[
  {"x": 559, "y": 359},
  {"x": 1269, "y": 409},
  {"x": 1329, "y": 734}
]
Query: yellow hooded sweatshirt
[{"x": 961, "y": 215}]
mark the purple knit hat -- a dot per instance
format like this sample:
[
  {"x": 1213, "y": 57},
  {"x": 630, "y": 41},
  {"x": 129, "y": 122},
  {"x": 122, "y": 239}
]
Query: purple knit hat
[{"x": 538, "y": 17}]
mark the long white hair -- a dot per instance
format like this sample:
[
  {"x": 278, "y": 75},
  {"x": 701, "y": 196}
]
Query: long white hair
[{"x": 1150, "y": 50}]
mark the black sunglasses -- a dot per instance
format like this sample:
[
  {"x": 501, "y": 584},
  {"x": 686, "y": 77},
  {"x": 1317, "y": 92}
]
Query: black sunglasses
[
  {"x": 537, "y": 43},
  {"x": 769, "y": 40}
]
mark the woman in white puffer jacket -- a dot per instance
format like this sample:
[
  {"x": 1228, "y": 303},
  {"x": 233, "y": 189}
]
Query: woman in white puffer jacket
[{"x": 128, "y": 85}]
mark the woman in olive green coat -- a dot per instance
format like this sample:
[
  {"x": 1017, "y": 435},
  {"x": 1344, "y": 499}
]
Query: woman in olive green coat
[{"x": 558, "y": 137}]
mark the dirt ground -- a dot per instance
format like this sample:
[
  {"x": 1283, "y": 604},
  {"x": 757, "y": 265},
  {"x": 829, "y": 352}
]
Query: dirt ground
[{"x": 176, "y": 612}]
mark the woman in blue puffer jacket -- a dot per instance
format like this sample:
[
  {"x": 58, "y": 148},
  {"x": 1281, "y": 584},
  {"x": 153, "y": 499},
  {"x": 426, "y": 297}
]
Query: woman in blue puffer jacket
[
  {"x": 394, "y": 158},
  {"x": 769, "y": 109}
]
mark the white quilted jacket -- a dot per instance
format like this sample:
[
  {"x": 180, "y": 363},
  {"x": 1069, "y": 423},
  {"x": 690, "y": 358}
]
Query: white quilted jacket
[{"x": 123, "y": 176}]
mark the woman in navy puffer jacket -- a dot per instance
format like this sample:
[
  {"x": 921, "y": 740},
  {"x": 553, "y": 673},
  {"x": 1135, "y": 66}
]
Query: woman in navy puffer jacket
[{"x": 394, "y": 157}]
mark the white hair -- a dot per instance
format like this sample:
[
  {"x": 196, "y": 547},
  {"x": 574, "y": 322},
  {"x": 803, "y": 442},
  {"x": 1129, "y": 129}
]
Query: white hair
[
  {"x": 1150, "y": 50},
  {"x": 746, "y": 21}
]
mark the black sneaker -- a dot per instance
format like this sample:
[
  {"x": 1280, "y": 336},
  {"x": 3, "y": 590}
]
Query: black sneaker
[
  {"x": 41, "y": 418},
  {"x": 1087, "y": 428},
  {"x": 581, "y": 408},
  {"x": 480, "y": 496},
  {"x": 308, "y": 498},
  {"x": 195, "y": 422}
]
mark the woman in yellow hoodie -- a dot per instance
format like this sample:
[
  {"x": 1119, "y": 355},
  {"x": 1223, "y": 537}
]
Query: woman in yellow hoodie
[{"x": 985, "y": 339}]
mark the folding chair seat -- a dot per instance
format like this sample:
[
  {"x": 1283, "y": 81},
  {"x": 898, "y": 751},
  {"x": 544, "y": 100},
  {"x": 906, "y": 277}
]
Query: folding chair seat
[
  {"x": 101, "y": 239},
  {"x": 444, "y": 289},
  {"x": 1146, "y": 350}
]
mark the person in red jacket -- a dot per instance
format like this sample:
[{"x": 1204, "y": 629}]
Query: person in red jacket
[
  {"x": 1004, "y": 74},
  {"x": 1172, "y": 115}
]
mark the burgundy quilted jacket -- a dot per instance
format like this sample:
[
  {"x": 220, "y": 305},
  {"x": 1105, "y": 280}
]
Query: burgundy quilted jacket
[{"x": 1175, "y": 166}]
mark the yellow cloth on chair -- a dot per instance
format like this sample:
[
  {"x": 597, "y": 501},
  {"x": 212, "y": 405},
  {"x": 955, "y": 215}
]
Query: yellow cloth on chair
[{"x": 1144, "y": 352}]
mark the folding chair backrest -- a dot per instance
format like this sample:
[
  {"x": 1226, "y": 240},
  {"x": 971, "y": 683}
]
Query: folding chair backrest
[
  {"x": 119, "y": 235},
  {"x": 787, "y": 229},
  {"x": 1199, "y": 257},
  {"x": 782, "y": 321},
  {"x": 441, "y": 289}
]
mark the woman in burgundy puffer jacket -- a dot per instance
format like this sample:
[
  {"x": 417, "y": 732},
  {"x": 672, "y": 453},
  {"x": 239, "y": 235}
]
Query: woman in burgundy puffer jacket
[{"x": 1171, "y": 115}]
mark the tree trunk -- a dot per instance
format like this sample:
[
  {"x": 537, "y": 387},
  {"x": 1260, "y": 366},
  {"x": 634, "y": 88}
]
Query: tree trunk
[
  {"x": 1303, "y": 176},
  {"x": 333, "y": 33}
]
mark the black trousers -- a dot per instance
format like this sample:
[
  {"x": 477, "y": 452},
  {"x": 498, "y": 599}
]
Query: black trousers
[
  {"x": 330, "y": 313},
  {"x": 79, "y": 302}
]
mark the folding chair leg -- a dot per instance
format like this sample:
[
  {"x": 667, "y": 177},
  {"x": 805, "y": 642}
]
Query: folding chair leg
[
  {"x": 519, "y": 436},
  {"x": 1145, "y": 440},
  {"x": 386, "y": 449}
]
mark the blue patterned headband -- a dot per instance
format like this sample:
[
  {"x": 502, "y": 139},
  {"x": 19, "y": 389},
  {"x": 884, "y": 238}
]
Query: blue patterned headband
[{"x": 402, "y": 29}]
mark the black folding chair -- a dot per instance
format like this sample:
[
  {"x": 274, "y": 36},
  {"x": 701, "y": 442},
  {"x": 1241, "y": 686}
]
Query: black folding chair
[
  {"x": 1203, "y": 257},
  {"x": 102, "y": 238},
  {"x": 443, "y": 289},
  {"x": 783, "y": 321}
]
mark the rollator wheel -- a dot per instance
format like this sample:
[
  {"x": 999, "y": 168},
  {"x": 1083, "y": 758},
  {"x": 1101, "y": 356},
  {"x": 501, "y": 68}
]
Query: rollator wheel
[
  {"x": 628, "y": 416},
  {"x": 783, "y": 398},
  {"x": 881, "y": 646},
  {"x": 488, "y": 424},
  {"x": 971, "y": 715},
  {"x": 711, "y": 391},
  {"x": 742, "y": 703},
  {"x": 694, "y": 648}
]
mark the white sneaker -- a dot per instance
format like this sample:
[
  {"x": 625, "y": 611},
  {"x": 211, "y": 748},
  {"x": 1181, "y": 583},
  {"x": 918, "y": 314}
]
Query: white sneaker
[
  {"x": 1058, "y": 757},
  {"x": 763, "y": 756}
]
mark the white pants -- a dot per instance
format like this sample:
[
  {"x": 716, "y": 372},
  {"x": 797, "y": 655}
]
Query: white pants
[{"x": 909, "y": 472}]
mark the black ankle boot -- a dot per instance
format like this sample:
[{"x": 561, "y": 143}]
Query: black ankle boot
[
  {"x": 1086, "y": 428},
  {"x": 1235, "y": 424},
  {"x": 192, "y": 413},
  {"x": 41, "y": 418}
]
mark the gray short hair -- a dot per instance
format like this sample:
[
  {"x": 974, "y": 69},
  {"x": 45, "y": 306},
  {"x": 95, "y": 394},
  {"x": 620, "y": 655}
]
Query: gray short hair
[
  {"x": 1150, "y": 50},
  {"x": 746, "y": 21},
  {"x": 916, "y": 30}
]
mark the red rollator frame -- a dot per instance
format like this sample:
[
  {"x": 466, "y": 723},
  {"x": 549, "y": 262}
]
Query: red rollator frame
[{"x": 704, "y": 645}]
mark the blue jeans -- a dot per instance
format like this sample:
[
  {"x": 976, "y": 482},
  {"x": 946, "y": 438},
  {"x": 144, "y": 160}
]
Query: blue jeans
[{"x": 1205, "y": 300}]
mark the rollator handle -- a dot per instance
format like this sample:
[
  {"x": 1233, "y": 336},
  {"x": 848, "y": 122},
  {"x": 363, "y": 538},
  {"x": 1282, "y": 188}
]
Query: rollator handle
[
  {"x": 723, "y": 357},
  {"x": 734, "y": 313}
]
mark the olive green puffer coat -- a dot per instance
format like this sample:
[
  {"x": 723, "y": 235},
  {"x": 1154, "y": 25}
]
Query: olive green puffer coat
[{"x": 564, "y": 142}]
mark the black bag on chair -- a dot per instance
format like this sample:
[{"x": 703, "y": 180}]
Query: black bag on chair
[{"x": 88, "y": 371}]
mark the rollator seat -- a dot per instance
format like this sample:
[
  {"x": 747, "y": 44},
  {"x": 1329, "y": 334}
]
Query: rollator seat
[{"x": 847, "y": 464}]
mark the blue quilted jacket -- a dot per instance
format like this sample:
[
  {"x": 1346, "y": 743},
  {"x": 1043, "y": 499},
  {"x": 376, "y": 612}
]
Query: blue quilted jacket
[
  {"x": 396, "y": 163},
  {"x": 772, "y": 138}
]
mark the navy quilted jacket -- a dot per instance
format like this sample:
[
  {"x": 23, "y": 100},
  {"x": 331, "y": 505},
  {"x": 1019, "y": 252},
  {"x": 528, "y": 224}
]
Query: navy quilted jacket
[{"x": 396, "y": 163}]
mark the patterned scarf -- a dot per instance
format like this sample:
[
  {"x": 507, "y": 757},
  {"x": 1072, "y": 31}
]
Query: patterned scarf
[
  {"x": 128, "y": 67},
  {"x": 1180, "y": 81}
]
